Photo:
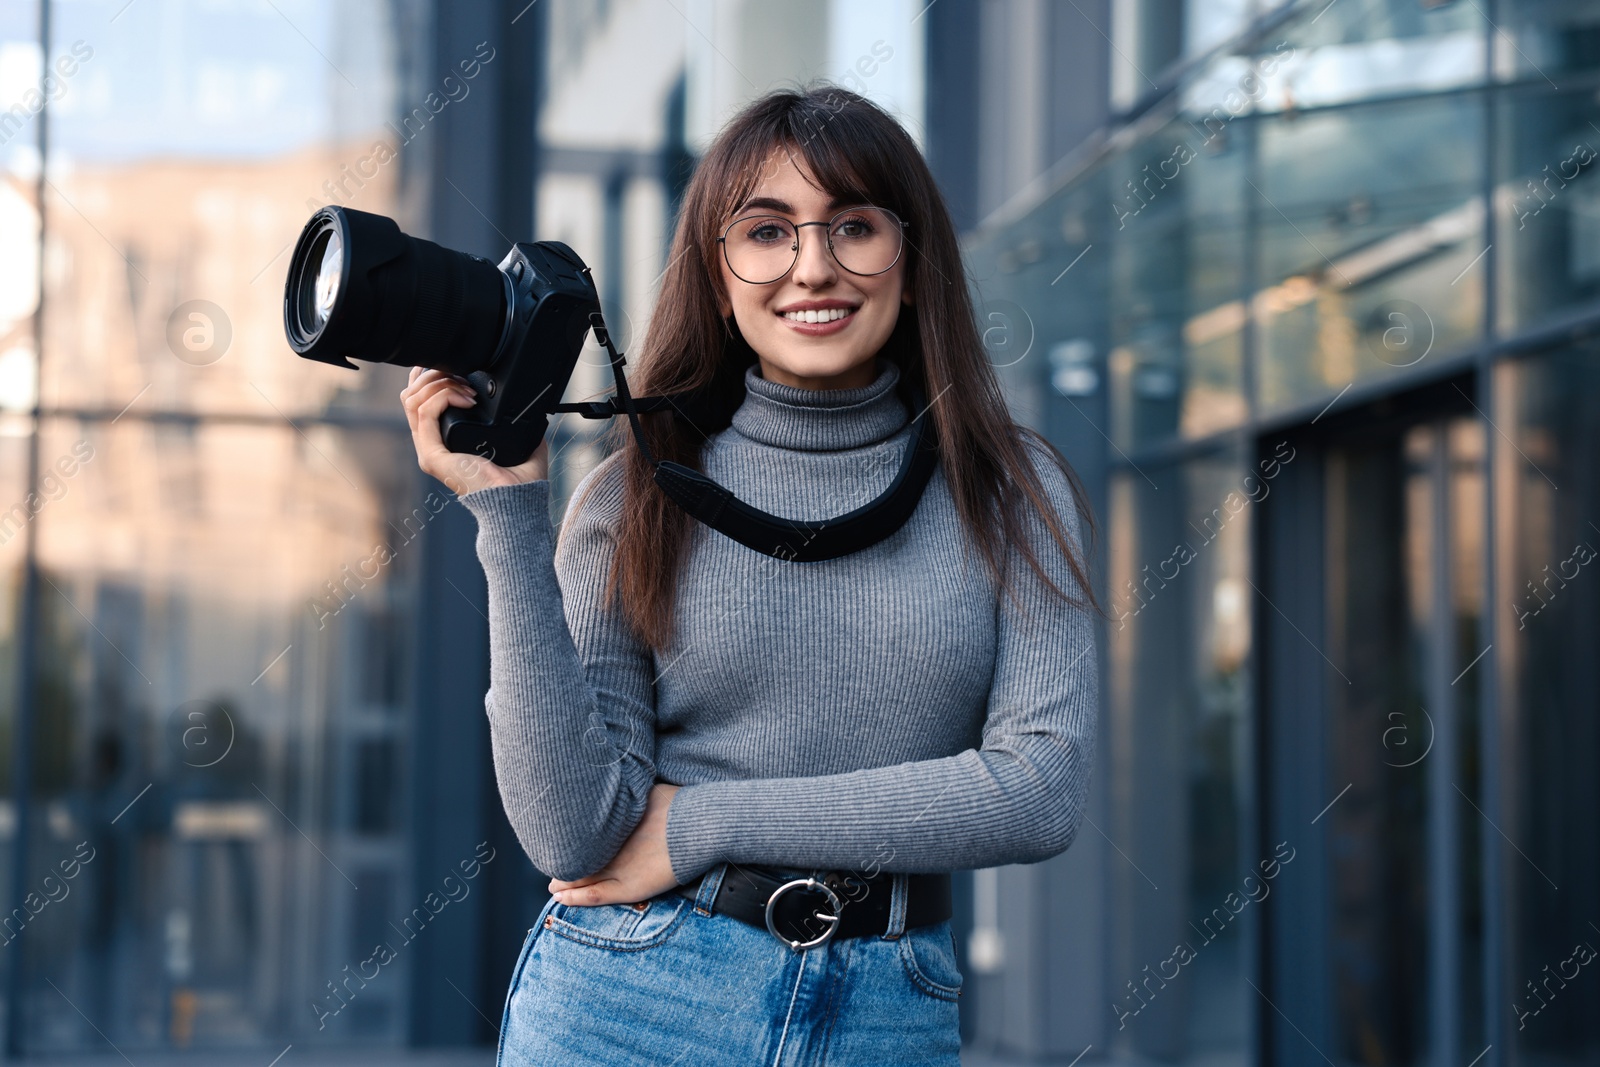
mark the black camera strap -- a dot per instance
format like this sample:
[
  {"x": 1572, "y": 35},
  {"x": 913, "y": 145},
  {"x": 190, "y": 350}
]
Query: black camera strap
[{"x": 711, "y": 503}]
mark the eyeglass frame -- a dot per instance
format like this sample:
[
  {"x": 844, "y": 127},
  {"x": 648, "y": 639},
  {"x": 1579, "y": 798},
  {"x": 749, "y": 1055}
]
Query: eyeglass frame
[{"x": 798, "y": 226}]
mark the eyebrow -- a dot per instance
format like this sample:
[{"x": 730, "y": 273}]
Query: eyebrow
[{"x": 771, "y": 203}]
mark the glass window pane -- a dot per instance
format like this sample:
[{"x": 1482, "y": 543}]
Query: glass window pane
[
  {"x": 1547, "y": 205},
  {"x": 188, "y": 147},
  {"x": 223, "y": 729},
  {"x": 20, "y": 510},
  {"x": 1371, "y": 225},
  {"x": 1545, "y": 619},
  {"x": 1335, "y": 53},
  {"x": 1177, "y": 251},
  {"x": 1040, "y": 299},
  {"x": 1208, "y": 23},
  {"x": 1467, "y": 519},
  {"x": 227, "y": 598},
  {"x": 21, "y": 501},
  {"x": 1380, "y": 524},
  {"x": 21, "y": 81},
  {"x": 1181, "y": 712},
  {"x": 1537, "y": 40}
]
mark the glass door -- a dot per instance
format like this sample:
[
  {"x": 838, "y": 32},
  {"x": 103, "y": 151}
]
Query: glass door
[{"x": 1372, "y": 593}]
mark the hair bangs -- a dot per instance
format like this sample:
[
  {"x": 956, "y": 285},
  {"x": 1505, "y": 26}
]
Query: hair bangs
[{"x": 809, "y": 137}]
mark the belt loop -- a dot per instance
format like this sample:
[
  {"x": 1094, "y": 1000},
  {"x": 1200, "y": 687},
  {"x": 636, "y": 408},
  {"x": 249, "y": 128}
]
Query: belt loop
[
  {"x": 710, "y": 883},
  {"x": 897, "y": 908}
]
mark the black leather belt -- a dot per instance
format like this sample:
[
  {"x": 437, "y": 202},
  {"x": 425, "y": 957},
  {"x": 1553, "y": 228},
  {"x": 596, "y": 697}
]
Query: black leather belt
[{"x": 805, "y": 909}]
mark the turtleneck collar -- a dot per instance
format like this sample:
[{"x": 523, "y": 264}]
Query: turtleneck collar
[{"x": 821, "y": 420}]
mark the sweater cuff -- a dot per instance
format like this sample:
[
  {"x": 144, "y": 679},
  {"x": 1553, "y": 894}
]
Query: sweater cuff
[
  {"x": 510, "y": 516},
  {"x": 695, "y": 822},
  {"x": 496, "y": 499}
]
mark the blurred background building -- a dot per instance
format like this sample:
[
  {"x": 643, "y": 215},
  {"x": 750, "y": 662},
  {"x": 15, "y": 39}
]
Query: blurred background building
[{"x": 1309, "y": 293}]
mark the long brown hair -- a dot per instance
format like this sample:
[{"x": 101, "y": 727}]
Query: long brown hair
[{"x": 858, "y": 153}]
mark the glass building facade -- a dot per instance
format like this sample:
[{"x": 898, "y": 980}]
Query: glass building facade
[
  {"x": 246, "y": 793},
  {"x": 1315, "y": 313}
]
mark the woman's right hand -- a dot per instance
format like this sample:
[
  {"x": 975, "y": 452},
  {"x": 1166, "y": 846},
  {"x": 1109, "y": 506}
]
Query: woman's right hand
[{"x": 426, "y": 397}]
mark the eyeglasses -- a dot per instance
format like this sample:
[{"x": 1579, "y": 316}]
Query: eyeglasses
[{"x": 760, "y": 249}]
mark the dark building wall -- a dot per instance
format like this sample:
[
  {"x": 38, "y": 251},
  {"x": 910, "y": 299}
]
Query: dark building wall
[
  {"x": 479, "y": 198},
  {"x": 1079, "y": 74},
  {"x": 1013, "y": 86},
  {"x": 952, "y": 106}
]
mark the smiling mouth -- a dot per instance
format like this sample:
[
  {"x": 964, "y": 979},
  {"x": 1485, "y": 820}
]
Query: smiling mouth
[{"x": 824, "y": 315}]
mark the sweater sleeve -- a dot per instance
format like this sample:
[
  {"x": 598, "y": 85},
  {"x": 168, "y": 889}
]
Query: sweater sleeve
[
  {"x": 571, "y": 700},
  {"x": 1018, "y": 798}
]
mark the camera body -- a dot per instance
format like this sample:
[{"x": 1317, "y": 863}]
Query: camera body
[
  {"x": 550, "y": 309},
  {"x": 359, "y": 288}
]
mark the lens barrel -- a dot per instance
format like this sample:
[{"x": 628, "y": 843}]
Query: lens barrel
[{"x": 359, "y": 288}]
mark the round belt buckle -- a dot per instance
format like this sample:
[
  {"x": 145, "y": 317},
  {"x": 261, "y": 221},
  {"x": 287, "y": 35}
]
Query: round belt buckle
[{"x": 832, "y": 921}]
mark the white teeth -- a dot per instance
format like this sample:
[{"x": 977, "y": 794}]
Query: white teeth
[{"x": 826, "y": 315}]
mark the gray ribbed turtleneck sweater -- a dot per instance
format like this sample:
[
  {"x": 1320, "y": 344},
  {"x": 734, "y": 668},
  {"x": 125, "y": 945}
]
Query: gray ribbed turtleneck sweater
[{"x": 888, "y": 710}]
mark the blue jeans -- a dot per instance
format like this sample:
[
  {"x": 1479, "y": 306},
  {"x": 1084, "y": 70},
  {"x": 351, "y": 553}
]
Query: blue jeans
[{"x": 669, "y": 982}]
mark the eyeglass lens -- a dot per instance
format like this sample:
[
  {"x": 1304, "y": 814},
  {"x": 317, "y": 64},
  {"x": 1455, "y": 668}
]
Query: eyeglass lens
[{"x": 763, "y": 248}]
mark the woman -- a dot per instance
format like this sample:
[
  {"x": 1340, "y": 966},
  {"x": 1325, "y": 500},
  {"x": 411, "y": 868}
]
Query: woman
[{"x": 682, "y": 725}]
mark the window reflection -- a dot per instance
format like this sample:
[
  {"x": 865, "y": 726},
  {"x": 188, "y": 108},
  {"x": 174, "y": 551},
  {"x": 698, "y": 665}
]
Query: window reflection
[
  {"x": 227, "y": 570},
  {"x": 13, "y": 535},
  {"x": 1377, "y": 834},
  {"x": 1545, "y": 618},
  {"x": 1541, "y": 39},
  {"x": 187, "y": 150},
  {"x": 1180, "y": 641},
  {"x": 1371, "y": 231},
  {"x": 1336, "y": 53},
  {"x": 204, "y": 731},
  {"x": 1176, "y": 364},
  {"x": 1040, "y": 296},
  {"x": 1340, "y": 236},
  {"x": 1548, "y": 201}
]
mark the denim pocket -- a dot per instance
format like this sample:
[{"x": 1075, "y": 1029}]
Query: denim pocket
[
  {"x": 929, "y": 955},
  {"x": 516, "y": 976},
  {"x": 620, "y": 927}
]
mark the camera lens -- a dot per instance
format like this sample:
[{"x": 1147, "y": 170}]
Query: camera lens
[
  {"x": 359, "y": 288},
  {"x": 317, "y": 298}
]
